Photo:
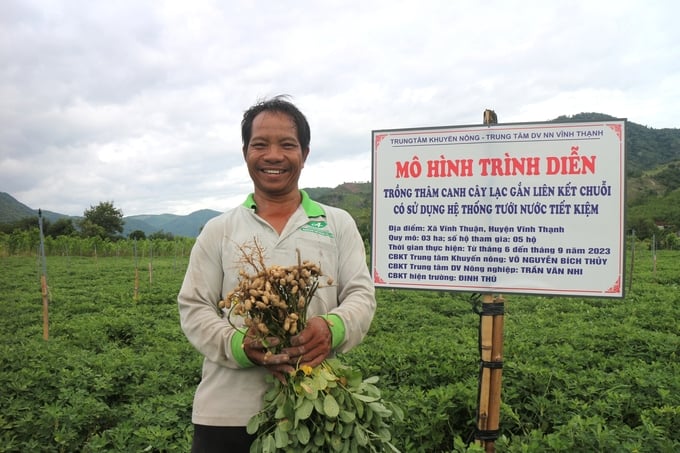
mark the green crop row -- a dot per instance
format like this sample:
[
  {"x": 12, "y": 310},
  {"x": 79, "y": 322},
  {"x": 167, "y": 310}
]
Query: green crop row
[{"x": 117, "y": 374}]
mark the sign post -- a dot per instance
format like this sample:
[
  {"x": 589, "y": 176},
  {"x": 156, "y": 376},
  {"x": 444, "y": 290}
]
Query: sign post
[
  {"x": 526, "y": 208},
  {"x": 491, "y": 357}
]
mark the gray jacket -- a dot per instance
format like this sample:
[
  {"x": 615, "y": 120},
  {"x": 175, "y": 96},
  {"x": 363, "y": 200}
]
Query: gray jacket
[{"x": 230, "y": 392}]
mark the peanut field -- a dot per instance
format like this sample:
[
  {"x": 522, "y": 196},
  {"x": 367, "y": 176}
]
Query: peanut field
[{"x": 116, "y": 373}]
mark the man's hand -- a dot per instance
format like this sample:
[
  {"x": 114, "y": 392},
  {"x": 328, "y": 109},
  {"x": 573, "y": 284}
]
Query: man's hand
[
  {"x": 311, "y": 346},
  {"x": 256, "y": 350}
]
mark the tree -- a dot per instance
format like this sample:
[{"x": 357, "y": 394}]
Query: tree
[
  {"x": 24, "y": 224},
  {"x": 61, "y": 227},
  {"x": 644, "y": 227},
  {"x": 160, "y": 234},
  {"x": 137, "y": 235},
  {"x": 103, "y": 220}
]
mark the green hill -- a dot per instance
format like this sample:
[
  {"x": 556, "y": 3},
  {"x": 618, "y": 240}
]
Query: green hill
[
  {"x": 12, "y": 210},
  {"x": 355, "y": 198},
  {"x": 646, "y": 147}
]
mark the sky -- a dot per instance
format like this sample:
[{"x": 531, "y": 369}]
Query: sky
[{"x": 139, "y": 102}]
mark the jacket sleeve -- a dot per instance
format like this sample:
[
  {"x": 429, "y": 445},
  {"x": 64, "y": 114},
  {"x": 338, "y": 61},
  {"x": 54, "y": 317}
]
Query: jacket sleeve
[
  {"x": 200, "y": 317},
  {"x": 356, "y": 292}
]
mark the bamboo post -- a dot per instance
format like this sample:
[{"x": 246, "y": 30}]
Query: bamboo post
[
  {"x": 493, "y": 421},
  {"x": 43, "y": 281},
  {"x": 485, "y": 350},
  {"x": 491, "y": 370},
  {"x": 491, "y": 357}
]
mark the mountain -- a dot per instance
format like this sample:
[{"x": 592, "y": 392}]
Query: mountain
[
  {"x": 354, "y": 197},
  {"x": 646, "y": 147},
  {"x": 12, "y": 210},
  {"x": 179, "y": 225}
]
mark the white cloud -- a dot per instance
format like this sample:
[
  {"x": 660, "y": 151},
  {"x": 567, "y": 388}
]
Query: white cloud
[{"x": 140, "y": 102}]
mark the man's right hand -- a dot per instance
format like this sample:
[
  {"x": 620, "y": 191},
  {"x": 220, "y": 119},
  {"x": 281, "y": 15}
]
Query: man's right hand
[{"x": 257, "y": 352}]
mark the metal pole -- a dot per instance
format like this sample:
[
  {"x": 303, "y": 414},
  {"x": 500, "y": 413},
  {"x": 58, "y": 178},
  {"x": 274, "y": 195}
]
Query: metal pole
[{"x": 43, "y": 280}]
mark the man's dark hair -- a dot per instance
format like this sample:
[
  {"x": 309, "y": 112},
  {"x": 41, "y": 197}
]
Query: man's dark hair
[{"x": 279, "y": 104}]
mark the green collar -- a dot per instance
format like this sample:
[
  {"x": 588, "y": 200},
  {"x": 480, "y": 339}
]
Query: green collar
[{"x": 311, "y": 207}]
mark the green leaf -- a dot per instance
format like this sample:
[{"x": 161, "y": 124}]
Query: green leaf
[
  {"x": 370, "y": 389},
  {"x": 284, "y": 410},
  {"x": 330, "y": 406},
  {"x": 354, "y": 379},
  {"x": 254, "y": 423},
  {"x": 341, "y": 396},
  {"x": 280, "y": 437},
  {"x": 336, "y": 442},
  {"x": 319, "y": 439},
  {"x": 285, "y": 425},
  {"x": 380, "y": 409},
  {"x": 385, "y": 434},
  {"x": 397, "y": 411},
  {"x": 327, "y": 375},
  {"x": 271, "y": 394},
  {"x": 347, "y": 430},
  {"x": 305, "y": 410},
  {"x": 303, "y": 434},
  {"x": 347, "y": 416},
  {"x": 365, "y": 398},
  {"x": 360, "y": 436},
  {"x": 369, "y": 414},
  {"x": 268, "y": 444},
  {"x": 256, "y": 446},
  {"x": 310, "y": 387},
  {"x": 359, "y": 406},
  {"x": 318, "y": 405},
  {"x": 372, "y": 380}
]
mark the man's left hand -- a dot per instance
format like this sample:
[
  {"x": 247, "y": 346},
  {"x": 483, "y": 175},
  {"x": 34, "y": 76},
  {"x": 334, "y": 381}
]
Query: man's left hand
[{"x": 311, "y": 346}]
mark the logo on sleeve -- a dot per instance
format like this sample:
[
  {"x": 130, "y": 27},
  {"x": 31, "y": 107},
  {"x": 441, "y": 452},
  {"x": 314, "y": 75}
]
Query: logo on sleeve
[{"x": 318, "y": 227}]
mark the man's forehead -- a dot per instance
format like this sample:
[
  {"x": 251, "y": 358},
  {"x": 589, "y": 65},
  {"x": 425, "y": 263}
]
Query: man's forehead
[{"x": 272, "y": 119}]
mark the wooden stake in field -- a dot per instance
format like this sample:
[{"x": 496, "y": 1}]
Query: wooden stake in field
[
  {"x": 136, "y": 273},
  {"x": 654, "y": 255},
  {"x": 150, "y": 265},
  {"x": 632, "y": 262},
  {"x": 491, "y": 360},
  {"x": 43, "y": 281}
]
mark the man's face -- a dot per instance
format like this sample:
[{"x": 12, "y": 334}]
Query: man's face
[{"x": 273, "y": 155}]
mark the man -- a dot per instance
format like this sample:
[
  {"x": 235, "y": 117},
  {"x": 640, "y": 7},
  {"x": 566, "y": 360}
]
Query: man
[{"x": 283, "y": 220}]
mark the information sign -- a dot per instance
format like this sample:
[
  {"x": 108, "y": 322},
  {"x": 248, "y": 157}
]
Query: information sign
[{"x": 513, "y": 208}]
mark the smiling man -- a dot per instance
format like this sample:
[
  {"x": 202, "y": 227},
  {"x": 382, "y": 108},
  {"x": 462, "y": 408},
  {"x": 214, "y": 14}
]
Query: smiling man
[{"x": 284, "y": 221}]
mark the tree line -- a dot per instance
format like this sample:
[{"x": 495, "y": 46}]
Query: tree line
[
  {"x": 99, "y": 232},
  {"x": 104, "y": 221},
  {"x": 101, "y": 228}
]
